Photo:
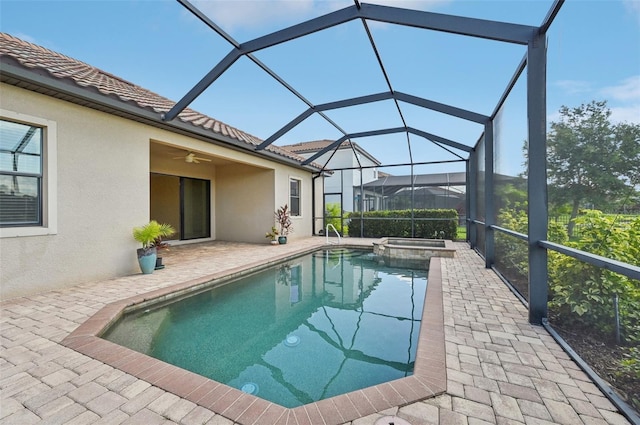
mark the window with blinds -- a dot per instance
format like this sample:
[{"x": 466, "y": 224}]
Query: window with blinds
[
  {"x": 294, "y": 197},
  {"x": 20, "y": 174}
]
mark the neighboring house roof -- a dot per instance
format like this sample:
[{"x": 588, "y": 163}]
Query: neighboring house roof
[
  {"x": 314, "y": 146},
  {"x": 18, "y": 56},
  {"x": 317, "y": 145},
  {"x": 388, "y": 185},
  {"x": 437, "y": 179}
]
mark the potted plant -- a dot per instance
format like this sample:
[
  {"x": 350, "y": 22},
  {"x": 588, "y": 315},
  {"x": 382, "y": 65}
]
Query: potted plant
[
  {"x": 166, "y": 230},
  {"x": 283, "y": 275},
  {"x": 147, "y": 236},
  {"x": 272, "y": 235},
  {"x": 283, "y": 219}
]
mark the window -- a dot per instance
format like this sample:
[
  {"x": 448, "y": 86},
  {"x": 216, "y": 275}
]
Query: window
[
  {"x": 294, "y": 197},
  {"x": 27, "y": 175}
]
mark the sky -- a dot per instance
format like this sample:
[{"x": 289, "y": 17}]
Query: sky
[{"x": 593, "y": 54}]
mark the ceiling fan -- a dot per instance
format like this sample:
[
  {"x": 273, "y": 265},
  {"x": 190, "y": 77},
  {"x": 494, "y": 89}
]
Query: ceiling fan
[{"x": 192, "y": 158}]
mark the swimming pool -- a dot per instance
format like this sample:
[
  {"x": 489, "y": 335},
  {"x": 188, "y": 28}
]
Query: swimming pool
[{"x": 314, "y": 327}]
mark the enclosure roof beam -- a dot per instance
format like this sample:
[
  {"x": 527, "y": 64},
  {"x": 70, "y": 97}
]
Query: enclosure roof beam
[
  {"x": 355, "y": 101},
  {"x": 319, "y": 108},
  {"x": 208, "y": 22},
  {"x": 428, "y": 136},
  {"x": 514, "y": 79},
  {"x": 551, "y": 15},
  {"x": 439, "y": 139},
  {"x": 255, "y": 60},
  {"x": 324, "y": 150},
  {"x": 202, "y": 85},
  {"x": 361, "y": 100},
  {"x": 493, "y": 30},
  {"x": 338, "y": 142},
  {"x": 294, "y": 122},
  {"x": 438, "y": 144},
  {"x": 441, "y": 107}
]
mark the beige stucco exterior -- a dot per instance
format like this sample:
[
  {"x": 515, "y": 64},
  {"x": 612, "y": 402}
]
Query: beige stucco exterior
[{"x": 102, "y": 171}]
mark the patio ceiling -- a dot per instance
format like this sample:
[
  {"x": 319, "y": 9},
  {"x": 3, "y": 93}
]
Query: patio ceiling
[{"x": 336, "y": 88}]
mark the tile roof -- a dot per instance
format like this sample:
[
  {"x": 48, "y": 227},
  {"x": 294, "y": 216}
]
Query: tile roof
[
  {"x": 313, "y": 146},
  {"x": 61, "y": 67},
  {"x": 317, "y": 145}
]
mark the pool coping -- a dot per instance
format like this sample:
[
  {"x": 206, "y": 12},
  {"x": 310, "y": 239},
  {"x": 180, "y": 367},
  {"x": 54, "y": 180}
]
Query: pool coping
[{"x": 428, "y": 380}]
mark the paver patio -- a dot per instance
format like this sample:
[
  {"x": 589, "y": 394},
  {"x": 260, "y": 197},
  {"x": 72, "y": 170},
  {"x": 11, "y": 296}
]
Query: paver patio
[{"x": 500, "y": 369}]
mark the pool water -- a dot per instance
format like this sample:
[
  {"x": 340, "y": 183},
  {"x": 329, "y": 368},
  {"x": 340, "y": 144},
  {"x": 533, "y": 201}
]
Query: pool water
[{"x": 317, "y": 326}]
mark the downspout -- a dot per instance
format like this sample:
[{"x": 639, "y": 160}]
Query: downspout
[{"x": 313, "y": 203}]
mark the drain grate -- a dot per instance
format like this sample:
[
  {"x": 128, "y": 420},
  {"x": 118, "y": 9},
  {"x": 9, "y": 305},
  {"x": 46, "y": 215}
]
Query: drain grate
[{"x": 391, "y": 420}]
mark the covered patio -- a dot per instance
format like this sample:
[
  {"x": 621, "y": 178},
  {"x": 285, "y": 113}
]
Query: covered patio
[{"x": 499, "y": 367}]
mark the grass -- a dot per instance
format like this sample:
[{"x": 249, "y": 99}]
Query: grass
[{"x": 462, "y": 233}]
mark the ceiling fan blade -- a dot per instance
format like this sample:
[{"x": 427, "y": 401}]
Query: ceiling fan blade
[
  {"x": 195, "y": 160},
  {"x": 202, "y": 159},
  {"x": 178, "y": 157}
]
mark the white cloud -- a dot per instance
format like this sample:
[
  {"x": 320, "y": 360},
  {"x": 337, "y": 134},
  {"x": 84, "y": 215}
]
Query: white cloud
[
  {"x": 27, "y": 38},
  {"x": 424, "y": 5},
  {"x": 633, "y": 6},
  {"x": 258, "y": 14},
  {"x": 627, "y": 90},
  {"x": 630, "y": 114},
  {"x": 573, "y": 86},
  {"x": 411, "y": 4},
  {"x": 554, "y": 117},
  {"x": 623, "y": 98}
]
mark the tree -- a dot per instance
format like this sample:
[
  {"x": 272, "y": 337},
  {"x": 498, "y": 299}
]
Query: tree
[
  {"x": 629, "y": 136},
  {"x": 589, "y": 159}
]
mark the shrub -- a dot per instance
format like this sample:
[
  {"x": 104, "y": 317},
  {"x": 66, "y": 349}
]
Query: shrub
[
  {"x": 443, "y": 223},
  {"x": 332, "y": 214},
  {"x": 587, "y": 291},
  {"x": 514, "y": 253}
]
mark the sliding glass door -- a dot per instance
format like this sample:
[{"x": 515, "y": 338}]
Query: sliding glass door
[
  {"x": 183, "y": 202},
  {"x": 195, "y": 208}
]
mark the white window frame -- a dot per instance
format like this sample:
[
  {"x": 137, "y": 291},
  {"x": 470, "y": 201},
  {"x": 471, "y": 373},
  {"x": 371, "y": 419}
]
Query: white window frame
[
  {"x": 49, "y": 177},
  {"x": 299, "y": 180}
]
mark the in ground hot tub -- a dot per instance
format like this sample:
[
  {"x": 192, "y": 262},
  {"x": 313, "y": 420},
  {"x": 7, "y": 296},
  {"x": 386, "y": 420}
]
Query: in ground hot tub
[{"x": 408, "y": 252}]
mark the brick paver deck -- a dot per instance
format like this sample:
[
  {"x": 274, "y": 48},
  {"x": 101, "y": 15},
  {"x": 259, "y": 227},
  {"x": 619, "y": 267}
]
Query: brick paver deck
[{"x": 500, "y": 369}]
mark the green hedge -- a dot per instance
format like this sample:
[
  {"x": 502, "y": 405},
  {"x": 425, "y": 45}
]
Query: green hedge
[{"x": 444, "y": 228}]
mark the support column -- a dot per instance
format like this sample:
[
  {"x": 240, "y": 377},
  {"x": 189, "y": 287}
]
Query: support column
[
  {"x": 467, "y": 194},
  {"x": 537, "y": 173},
  {"x": 472, "y": 185},
  {"x": 489, "y": 210},
  {"x": 361, "y": 205},
  {"x": 313, "y": 203},
  {"x": 413, "y": 191}
]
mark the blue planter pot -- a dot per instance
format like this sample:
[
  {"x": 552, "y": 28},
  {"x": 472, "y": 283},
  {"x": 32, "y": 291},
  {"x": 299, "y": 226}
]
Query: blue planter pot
[
  {"x": 282, "y": 240},
  {"x": 147, "y": 259}
]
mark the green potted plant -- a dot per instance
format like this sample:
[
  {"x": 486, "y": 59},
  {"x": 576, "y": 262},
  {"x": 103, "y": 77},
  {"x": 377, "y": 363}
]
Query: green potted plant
[
  {"x": 166, "y": 230},
  {"x": 283, "y": 219},
  {"x": 147, "y": 236},
  {"x": 272, "y": 235}
]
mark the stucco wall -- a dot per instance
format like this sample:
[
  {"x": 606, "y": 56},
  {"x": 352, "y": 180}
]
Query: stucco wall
[
  {"x": 103, "y": 166},
  {"x": 102, "y": 191},
  {"x": 244, "y": 203},
  {"x": 301, "y": 224}
]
